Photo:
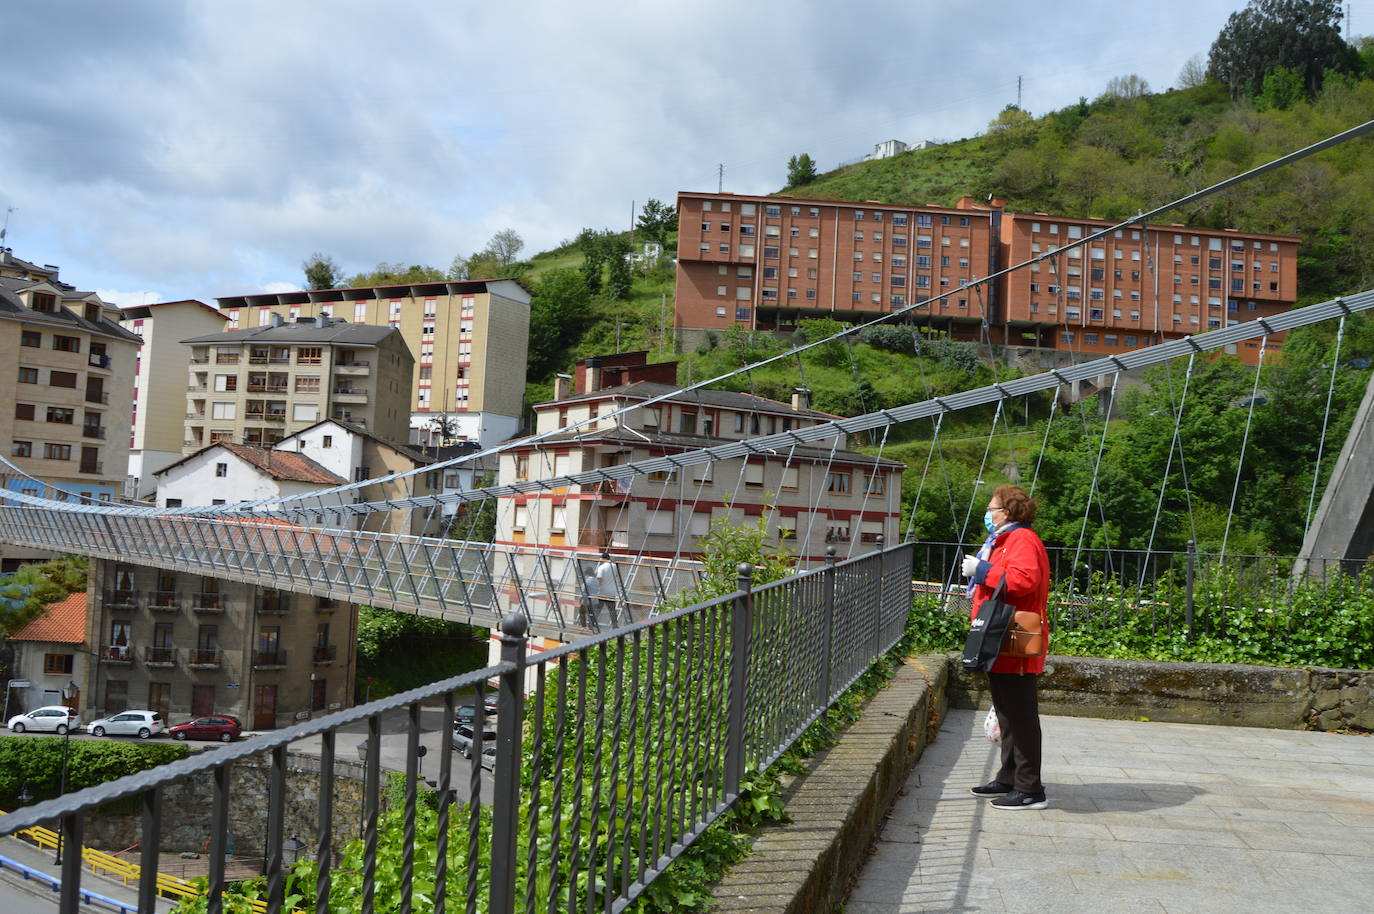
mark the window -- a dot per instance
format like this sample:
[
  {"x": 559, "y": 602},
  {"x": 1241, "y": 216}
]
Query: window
[
  {"x": 753, "y": 475},
  {"x": 34, "y": 339},
  {"x": 57, "y": 664},
  {"x": 57, "y": 451},
  {"x": 306, "y": 384},
  {"x": 28, "y": 375},
  {"x": 61, "y": 415},
  {"x": 838, "y": 483},
  {"x": 875, "y": 484},
  {"x": 222, "y": 410},
  {"x": 226, "y": 382},
  {"x": 308, "y": 355},
  {"x": 66, "y": 343},
  {"x": 21, "y": 449},
  {"x": 62, "y": 378}
]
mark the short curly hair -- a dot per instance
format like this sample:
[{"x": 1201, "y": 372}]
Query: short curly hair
[{"x": 1019, "y": 506}]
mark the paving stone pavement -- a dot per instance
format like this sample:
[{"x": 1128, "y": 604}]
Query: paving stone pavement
[{"x": 1148, "y": 817}]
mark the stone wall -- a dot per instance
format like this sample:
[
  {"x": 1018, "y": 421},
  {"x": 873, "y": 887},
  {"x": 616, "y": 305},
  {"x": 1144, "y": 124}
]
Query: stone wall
[
  {"x": 1239, "y": 695},
  {"x": 186, "y": 809}
]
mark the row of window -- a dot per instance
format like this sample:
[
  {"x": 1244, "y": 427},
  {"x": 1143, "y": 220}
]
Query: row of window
[
  {"x": 34, "y": 340},
  {"x": 51, "y": 451},
  {"x": 1213, "y": 243}
]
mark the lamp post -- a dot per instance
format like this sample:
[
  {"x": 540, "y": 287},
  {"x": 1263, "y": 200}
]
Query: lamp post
[{"x": 67, "y": 695}]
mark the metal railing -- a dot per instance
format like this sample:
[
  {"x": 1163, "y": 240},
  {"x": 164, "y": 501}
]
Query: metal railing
[
  {"x": 160, "y": 656},
  {"x": 612, "y": 755},
  {"x": 204, "y": 657},
  {"x": 1187, "y": 590}
]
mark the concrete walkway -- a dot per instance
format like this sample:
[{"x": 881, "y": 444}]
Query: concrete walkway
[{"x": 1145, "y": 817}]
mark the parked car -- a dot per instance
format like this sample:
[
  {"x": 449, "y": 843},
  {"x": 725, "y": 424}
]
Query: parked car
[
  {"x": 142, "y": 724},
  {"x": 489, "y": 758},
  {"x": 52, "y": 718},
  {"x": 222, "y": 727},
  {"x": 462, "y": 738},
  {"x": 467, "y": 713}
]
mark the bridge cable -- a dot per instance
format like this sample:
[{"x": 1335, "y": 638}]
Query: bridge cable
[
  {"x": 1326, "y": 418},
  {"x": 1092, "y": 487},
  {"x": 1244, "y": 443}
]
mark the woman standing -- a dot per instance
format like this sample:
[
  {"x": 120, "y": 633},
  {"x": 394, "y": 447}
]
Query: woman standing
[{"x": 1014, "y": 553}]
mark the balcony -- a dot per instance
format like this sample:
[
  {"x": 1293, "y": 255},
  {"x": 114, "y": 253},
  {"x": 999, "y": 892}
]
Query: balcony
[
  {"x": 121, "y": 599},
  {"x": 267, "y": 388},
  {"x": 98, "y": 396},
  {"x": 97, "y": 360},
  {"x": 350, "y": 395},
  {"x": 352, "y": 369},
  {"x": 268, "y": 660},
  {"x": 324, "y": 653},
  {"x": 200, "y": 360},
  {"x": 94, "y": 467},
  {"x": 612, "y": 490},
  {"x": 202, "y": 659},
  {"x": 604, "y": 538},
  {"x": 226, "y": 358},
  {"x": 117, "y": 653},
  {"x": 274, "y": 606},
  {"x": 325, "y": 605},
  {"x": 93, "y": 431},
  {"x": 197, "y": 389},
  {"x": 160, "y": 657},
  {"x": 164, "y": 601},
  {"x": 208, "y": 603},
  {"x": 198, "y": 417},
  {"x": 344, "y": 417},
  {"x": 274, "y": 417}
]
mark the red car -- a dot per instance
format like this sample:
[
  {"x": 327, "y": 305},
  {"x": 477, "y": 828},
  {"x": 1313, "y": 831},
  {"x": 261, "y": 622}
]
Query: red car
[{"x": 224, "y": 728}]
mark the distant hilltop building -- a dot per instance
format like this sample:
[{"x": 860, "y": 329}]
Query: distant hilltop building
[
  {"x": 889, "y": 148},
  {"x": 766, "y": 263}
]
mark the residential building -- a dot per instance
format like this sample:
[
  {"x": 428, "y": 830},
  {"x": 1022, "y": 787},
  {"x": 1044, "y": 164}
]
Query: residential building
[
  {"x": 470, "y": 340},
  {"x": 259, "y": 385},
  {"x": 159, "y": 419},
  {"x": 50, "y": 653},
  {"x": 185, "y": 645},
  {"x": 886, "y": 150},
  {"x": 68, "y": 392},
  {"x": 239, "y": 472},
  {"x": 812, "y": 496},
  {"x": 1137, "y": 286},
  {"x": 767, "y": 262}
]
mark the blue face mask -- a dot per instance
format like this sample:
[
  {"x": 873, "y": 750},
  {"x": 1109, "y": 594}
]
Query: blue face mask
[{"x": 987, "y": 521}]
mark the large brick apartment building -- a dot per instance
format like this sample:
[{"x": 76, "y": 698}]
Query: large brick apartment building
[{"x": 767, "y": 262}]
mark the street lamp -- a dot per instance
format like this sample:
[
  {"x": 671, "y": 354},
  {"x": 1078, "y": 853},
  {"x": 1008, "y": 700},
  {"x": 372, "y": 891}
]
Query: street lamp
[
  {"x": 68, "y": 694},
  {"x": 24, "y": 796}
]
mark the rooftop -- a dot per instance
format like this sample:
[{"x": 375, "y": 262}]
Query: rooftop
[
  {"x": 62, "y": 622},
  {"x": 337, "y": 332}
]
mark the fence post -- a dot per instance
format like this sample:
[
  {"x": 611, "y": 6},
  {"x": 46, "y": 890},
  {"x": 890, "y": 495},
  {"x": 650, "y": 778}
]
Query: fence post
[
  {"x": 879, "y": 602},
  {"x": 505, "y": 811},
  {"x": 827, "y": 622},
  {"x": 1188, "y": 593},
  {"x": 741, "y": 623}
]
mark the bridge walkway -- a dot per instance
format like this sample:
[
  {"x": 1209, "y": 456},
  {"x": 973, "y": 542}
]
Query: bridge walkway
[{"x": 1144, "y": 817}]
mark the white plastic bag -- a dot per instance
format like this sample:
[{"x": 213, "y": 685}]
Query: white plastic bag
[{"x": 991, "y": 728}]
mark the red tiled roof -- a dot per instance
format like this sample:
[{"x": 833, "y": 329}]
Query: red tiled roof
[
  {"x": 286, "y": 465},
  {"x": 63, "y": 621}
]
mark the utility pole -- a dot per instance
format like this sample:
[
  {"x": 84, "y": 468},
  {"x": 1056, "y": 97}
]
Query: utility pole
[
  {"x": 720, "y": 177},
  {"x": 1018, "y": 92}
]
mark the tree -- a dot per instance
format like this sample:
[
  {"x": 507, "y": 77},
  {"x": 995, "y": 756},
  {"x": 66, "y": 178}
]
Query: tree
[
  {"x": 321, "y": 272},
  {"x": 1281, "y": 89},
  {"x": 397, "y": 274},
  {"x": 1129, "y": 86},
  {"x": 1193, "y": 73},
  {"x": 619, "y": 276},
  {"x": 801, "y": 169},
  {"x": 559, "y": 311},
  {"x": 1303, "y": 35},
  {"x": 656, "y": 220},
  {"x": 593, "y": 246},
  {"x": 504, "y": 246}
]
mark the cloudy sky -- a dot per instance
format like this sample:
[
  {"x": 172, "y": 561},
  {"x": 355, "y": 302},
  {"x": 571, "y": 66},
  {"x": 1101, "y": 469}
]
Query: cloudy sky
[{"x": 162, "y": 150}]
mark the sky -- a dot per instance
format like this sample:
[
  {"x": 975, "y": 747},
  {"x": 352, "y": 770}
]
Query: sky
[{"x": 158, "y": 151}]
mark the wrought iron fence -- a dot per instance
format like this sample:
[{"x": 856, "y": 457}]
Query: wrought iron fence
[
  {"x": 1180, "y": 590},
  {"x": 612, "y": 755}
]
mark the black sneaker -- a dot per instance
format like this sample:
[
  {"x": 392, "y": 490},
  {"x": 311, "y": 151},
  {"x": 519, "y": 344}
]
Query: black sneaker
[
  {"x": 990, "y": 789},
  {"x": 1020, "y": 800}
]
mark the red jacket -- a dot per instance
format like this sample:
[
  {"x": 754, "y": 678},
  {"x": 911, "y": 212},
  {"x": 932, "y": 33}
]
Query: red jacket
[{"x": 1020, "y": 557}]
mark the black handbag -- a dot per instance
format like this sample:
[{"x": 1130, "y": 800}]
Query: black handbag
[{"x": 988, "y": 631}]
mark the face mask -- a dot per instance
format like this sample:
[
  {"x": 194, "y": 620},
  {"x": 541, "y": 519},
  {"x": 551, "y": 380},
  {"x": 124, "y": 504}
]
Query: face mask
[{"x": 987, "y": 521}]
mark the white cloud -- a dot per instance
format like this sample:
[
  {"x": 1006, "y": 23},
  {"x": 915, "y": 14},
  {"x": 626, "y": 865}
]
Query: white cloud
[{"x": 206, "y": 149}]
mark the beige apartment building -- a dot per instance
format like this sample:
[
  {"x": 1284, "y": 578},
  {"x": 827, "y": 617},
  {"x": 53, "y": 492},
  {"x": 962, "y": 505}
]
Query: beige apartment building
[
  {"x": 259, "y": 385},
  {"x": 67, "y": 394},
  {"x": 159, "y": 422},
  {"x": 810, "y": 496},
  {"x": 470, "y": 340},
  {"x": 188, "y": 646}
]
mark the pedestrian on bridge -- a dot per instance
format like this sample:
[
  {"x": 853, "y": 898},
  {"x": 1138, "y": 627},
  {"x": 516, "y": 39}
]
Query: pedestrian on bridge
[
  {"x": 606, "y": 588},
  {"x": 1015, "y": 554}
]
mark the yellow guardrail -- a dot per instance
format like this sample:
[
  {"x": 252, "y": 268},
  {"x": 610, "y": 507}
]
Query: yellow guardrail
[{"x": 103, "y": 864}]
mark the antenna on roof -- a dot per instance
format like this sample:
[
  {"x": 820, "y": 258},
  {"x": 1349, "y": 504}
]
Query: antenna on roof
[{"x": 5, "y": 230}]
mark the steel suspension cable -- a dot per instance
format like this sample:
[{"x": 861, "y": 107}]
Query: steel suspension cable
[
  {"x": 1244, "y": 442},
  {"x": 1092, "y": 487},
  {"x": 1168, "y": 465},
  {"x": 1326, "y": 418}
]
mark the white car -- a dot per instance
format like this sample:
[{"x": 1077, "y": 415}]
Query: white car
[
  {"x": 52, "y": 719},
  {"x": 142, "y": 724}
]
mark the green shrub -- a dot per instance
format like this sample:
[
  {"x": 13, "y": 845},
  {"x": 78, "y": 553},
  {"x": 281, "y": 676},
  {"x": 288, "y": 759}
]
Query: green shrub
[{"x": 37, "y": 761}]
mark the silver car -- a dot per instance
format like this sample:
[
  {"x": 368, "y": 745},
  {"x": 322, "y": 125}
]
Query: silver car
[
  {"x": 52, "y": 719},
  {"x": 142, "y": 724},
  {"x": 462, "y": 739}
]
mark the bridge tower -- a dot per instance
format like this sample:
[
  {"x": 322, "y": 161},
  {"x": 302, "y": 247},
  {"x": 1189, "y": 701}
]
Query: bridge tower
[{"x": 1343, "y": 528}]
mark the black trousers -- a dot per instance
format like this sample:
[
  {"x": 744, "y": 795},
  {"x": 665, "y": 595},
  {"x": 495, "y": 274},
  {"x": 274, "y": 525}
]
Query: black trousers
[{"x": 1016, "y": 697}]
